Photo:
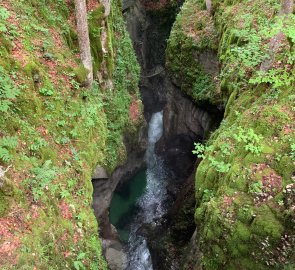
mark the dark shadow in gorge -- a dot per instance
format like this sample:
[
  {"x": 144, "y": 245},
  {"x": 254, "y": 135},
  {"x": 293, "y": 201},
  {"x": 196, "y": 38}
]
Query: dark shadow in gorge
[
  {"x": 149, "y": 29},
  {"x": 184, "y": 124}
]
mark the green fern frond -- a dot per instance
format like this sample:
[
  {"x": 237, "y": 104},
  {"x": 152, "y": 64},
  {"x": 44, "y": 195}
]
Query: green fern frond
[
  {"x": 5, "y": 156},
  {"x": 9, "y": 142}
]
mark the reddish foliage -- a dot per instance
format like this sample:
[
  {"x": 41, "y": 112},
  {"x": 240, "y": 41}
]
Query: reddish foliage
[
  {"x": 228, "y": 200},
  {"x": 64, "y": 237},
  {"x": 10, "y": 235},
  {"x": 66, "y": 254},
  {"x": 92, "y": 4},
  {"x": 272, "y": 183},
  {"x": 19, "y": 53},
  {"x": 288, "y": 129},
  {"x": 65, "y": 210},
  {"x": 56, "y": 38},
  {"x": 134, "y": 112},
  {"x": 76, "y": 237}
]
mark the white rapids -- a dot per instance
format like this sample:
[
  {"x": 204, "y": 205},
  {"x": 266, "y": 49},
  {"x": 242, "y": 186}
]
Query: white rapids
[{"x": 151, "y": 202}]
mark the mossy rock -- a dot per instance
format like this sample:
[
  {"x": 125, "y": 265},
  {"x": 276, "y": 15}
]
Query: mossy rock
[
  {"x": 266, "y": 224},
  {"x": 193, "y": 36},
  {"x": 32, "y": 70},
  {"x": 245, "y": 219}
]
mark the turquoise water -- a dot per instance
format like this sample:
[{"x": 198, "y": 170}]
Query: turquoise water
[{"x": 123, "y": 206}]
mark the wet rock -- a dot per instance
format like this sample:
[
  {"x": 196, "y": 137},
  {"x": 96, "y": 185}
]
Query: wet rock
[
  {"x": 115, "y": 255},
  {"x": 184, "y": 124},
  {"x": 170, "y": 241},
  {"x": 149, "y": 32}
]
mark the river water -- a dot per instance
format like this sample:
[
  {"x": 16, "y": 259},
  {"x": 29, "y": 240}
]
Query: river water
[{"x": 141, "y": 201}]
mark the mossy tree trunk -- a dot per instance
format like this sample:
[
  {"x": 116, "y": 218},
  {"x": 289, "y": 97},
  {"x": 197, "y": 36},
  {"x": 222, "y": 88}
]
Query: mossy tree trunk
[{"x": 83, "y": 38}]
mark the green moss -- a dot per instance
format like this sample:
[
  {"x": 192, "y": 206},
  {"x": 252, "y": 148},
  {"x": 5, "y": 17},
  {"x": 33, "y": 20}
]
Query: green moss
[
  {"x": 266, "y": 224},
  {"x": 242, "y": 233},
  {"x": 6, "y": 43},
  {"x": 185, "y": 45},
  {"x": 32, "y": 70},
  {"x": 62, "y": 133},
  {"x": 94, "y": 21},
  {"x": 71, "y": 38},
  {"x": 266, "y": 110},
  {"x": 285, "y": 167},
  {"x": 4, "y": 204},
  {"x": 81, "y": 73}
]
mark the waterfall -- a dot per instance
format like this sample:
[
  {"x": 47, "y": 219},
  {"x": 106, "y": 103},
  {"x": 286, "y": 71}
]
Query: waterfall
[{"x": 151, "y": 203}]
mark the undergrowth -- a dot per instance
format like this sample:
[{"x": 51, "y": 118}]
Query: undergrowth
[
  {"x": 245, "y": 182},
  {"x": 53, "y": 132}
]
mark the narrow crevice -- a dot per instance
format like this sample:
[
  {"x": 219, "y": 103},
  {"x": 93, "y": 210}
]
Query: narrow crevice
[{"x": 184, "y": 123}]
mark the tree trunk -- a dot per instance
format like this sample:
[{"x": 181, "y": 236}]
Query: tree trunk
[
  {"x": 209, "y": 6},
  {"x": 83, "y": 38}
]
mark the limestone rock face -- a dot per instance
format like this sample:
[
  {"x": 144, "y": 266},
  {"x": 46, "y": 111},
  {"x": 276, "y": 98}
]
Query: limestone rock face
[
  {"x": 115, "y": 255},
  {"x": 184, "y": 123},
  {"x": 103, "y": 189},
  {"x": 100, "y": 173},
  {"x": 101, "y": 195},
  {"x": 149, "y": 32},
  {"x": 230, "y": 235}
]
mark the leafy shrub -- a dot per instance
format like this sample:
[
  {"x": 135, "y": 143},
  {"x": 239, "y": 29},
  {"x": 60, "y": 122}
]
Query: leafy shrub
[{"x": 250, "y": 139}]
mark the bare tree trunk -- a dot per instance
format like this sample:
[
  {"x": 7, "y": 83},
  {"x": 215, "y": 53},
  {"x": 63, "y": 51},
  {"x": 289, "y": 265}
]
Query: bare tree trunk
[
  {"x": 209, "y": 6},
  {"x": 83, "y": 38}
]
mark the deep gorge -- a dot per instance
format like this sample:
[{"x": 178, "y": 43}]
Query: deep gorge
[
  {"x": 183, "y": 124},
  {"x": 147, "y": 134}
]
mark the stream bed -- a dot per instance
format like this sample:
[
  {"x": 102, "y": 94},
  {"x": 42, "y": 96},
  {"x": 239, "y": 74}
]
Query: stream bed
[{"x": 141, "y": 201}]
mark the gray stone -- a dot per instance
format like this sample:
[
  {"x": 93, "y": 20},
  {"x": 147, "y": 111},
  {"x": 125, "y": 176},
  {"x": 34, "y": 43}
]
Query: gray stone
[
  {"x": 100, "y": 173},
  {"x": 115, "y": 255}
]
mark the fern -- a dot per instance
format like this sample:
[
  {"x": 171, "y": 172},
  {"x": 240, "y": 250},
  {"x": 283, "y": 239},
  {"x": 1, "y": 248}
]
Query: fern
[
  {"x": 38, "y": 144},
  {"x": 5, "y": 156},
  {"x": 9, "y": 142},
  {"x": 43, "y": 177},
  {"x": 44, "y": 174},
  {"x": 7, "y": 91}
]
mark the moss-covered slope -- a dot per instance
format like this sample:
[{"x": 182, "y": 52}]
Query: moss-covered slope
[
  {"x": 53, "y": 132},
  {"x": 245, "y": 185}
]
